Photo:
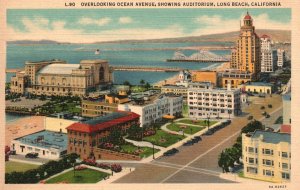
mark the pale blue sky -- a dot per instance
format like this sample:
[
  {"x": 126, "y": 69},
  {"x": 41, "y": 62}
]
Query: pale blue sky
[{"x": 88, "y": 25}]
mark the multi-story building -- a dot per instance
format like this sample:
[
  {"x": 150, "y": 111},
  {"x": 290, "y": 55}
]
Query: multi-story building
[
  {"x": 280, "y": 58},
  {"x": 97, "y": 107},
  {"x": 154, "y": 108},
  {"x": 246, "y": 55},
  {"x": 48, "y": 144},
  {"x": 181, "y": 88},
  {"x": 84, "y": 138},
  {"x": 234, "y": 78},
  {"x": 218, "y": 103},
  {"x": 206, "y": 76},
  {"x": 266, "y": 58},
  {"x": 267, "y": 156},
  {"x": 257, "y": 87},
  {"x": 56, "y": 77}
]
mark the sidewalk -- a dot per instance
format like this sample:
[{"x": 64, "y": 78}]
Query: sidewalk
[
  {"x": 144, "y": 144},
  {"x": 234, "y": 177}
]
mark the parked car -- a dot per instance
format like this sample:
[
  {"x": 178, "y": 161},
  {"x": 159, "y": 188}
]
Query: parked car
[
  {"x": 12, "y": 152},
  {"x": 194, "y": 140},
  {"x": 209, "y": 132},
  {"x": 250, "y": 117},
  {"x": 198, "y": 137},
  {"x": 267, "y": 115},
  {"x": 171, "y": 152},
  {"x": 188, "y": 143},
  {"x": 32, "y": 155}
]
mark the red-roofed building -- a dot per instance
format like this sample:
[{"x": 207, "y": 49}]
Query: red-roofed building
[
  {"x": 285, "y": 129},
  {"x": 84, "y": 138}
]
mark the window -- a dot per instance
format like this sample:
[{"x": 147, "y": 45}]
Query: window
[
  {"x": 268, "y": 172},
  {"x": 251, "y": 160},
  {"x": 267, "y": 151},
  {"x": 285, "y": 165},
  {"x": 251, "y": 149},
  {"x": 252, "y": 170},
  {"x": 29, "y": 148},
  {"x": 268, "y": 162},
  {"x": 284, "y": 154},
  {"x": 285, "y": 175}
]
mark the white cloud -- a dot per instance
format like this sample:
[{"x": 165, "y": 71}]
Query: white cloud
[
  {"x": 58, "y": 32},
  {"x": 40, "y": 28},
  {"x": 90, "y": 21},
  {"x": 125, "y": 20}
]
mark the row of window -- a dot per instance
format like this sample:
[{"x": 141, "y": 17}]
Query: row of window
[
  {"x": 269, "y": 173},
  {"x": 267, "y": 152}
]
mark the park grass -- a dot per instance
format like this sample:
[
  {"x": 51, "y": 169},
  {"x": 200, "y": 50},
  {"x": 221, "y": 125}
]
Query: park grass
[
  {"x": 160, "y": 135},
  {"x": 188, "y": 130},
  {"x": 81, "y": 176},
  {"x": 12, "y": 166},
  {"x": 130, "y": 148},
  {"x": 197, "y": 122}
]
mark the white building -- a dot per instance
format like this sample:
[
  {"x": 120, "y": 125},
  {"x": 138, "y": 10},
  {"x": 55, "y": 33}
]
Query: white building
[
  {"x": 280, "y": 57},
  {"x": 154, "y": 108},
  {"x": 266, "y": 54},
  {"x": 184, "y": 75},
  {"x": 214, "y": 103},
  {"x": 48, "y": 144}
]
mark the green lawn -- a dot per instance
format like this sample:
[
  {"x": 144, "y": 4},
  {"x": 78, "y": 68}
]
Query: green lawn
[
  {"x": 138, "y": 89},
  {"x": 197, "y": 122},
  {"x": 130, "y": 148},
  {"x": 82, "y": 176},
  {"x": 11, "y": 166},
  {"x": 188, "y": 130},
  {"x": 164, "y": 139}
]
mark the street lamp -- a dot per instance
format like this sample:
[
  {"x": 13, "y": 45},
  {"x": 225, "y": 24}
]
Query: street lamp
[
  {"x": 153, "y": 151},
  {"x": 208, "y": 117}
]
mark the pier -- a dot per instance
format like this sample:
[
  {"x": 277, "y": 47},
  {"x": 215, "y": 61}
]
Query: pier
[{"x": 140, "y": 68}]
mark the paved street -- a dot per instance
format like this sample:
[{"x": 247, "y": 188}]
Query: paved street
[{"x": 198, "y": 163}]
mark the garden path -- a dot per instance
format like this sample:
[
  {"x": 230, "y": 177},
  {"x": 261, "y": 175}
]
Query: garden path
[{"x": 145, "y": 144}]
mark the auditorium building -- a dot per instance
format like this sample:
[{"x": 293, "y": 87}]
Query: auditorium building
[{"x": 57, "y": 77}]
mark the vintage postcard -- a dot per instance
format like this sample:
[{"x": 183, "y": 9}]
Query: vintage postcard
[{"x": 150, "y": 94}]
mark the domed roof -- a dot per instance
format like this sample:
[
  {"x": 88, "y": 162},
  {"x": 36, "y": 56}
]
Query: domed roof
[
  {"x": 265, "y": 36},
  {"x": 247, "y": 17}
]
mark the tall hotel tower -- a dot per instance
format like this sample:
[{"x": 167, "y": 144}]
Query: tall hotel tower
[{"x": 246, "y": 56}]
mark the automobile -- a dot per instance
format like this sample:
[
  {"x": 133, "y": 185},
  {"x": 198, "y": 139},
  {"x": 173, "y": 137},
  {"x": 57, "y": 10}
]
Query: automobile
[
  {"x": 32, "y": 155},
  {"x": 209, "y": 132},
  {"x": 171, "y": 152},
  {"x": 267, "y": 115},
  {"x": 250, "y": 117},
  {"x": 12, "y": 152},
  {"x": 198, "y": 137},
  {"x": 188, "y": 143},
  {"x": 194, "y": 140}
]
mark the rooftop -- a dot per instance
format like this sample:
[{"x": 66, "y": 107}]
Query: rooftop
[
  {"x": 103, "y": 122},
  {"x": 259, "y": 84},
  {"x": 272, "y": 137},
  {"x": 46, "y": 61},
  {"x": 46, "y": 139},
  {"x": 59, "y": 69}
]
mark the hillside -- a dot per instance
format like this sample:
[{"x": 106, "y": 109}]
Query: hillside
[{"x": 276, "y": 35}]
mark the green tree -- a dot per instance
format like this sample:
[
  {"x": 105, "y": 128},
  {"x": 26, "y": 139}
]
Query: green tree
[
  {"x": 135, "y": 132},
  {"x": 147, "y": 86},
  {"x": 142, "y": 82},
  {"x": 127, "y": 83},
  {"x": 252, "y": 126},
  {"x": 115, "y": 136}
]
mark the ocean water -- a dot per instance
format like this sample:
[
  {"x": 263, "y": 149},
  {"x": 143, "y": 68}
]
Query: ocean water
[{"x": 134, "y": 54}]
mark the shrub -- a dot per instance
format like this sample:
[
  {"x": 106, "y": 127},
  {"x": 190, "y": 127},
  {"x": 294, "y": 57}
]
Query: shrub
[{"x": 116, "y": 168}]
